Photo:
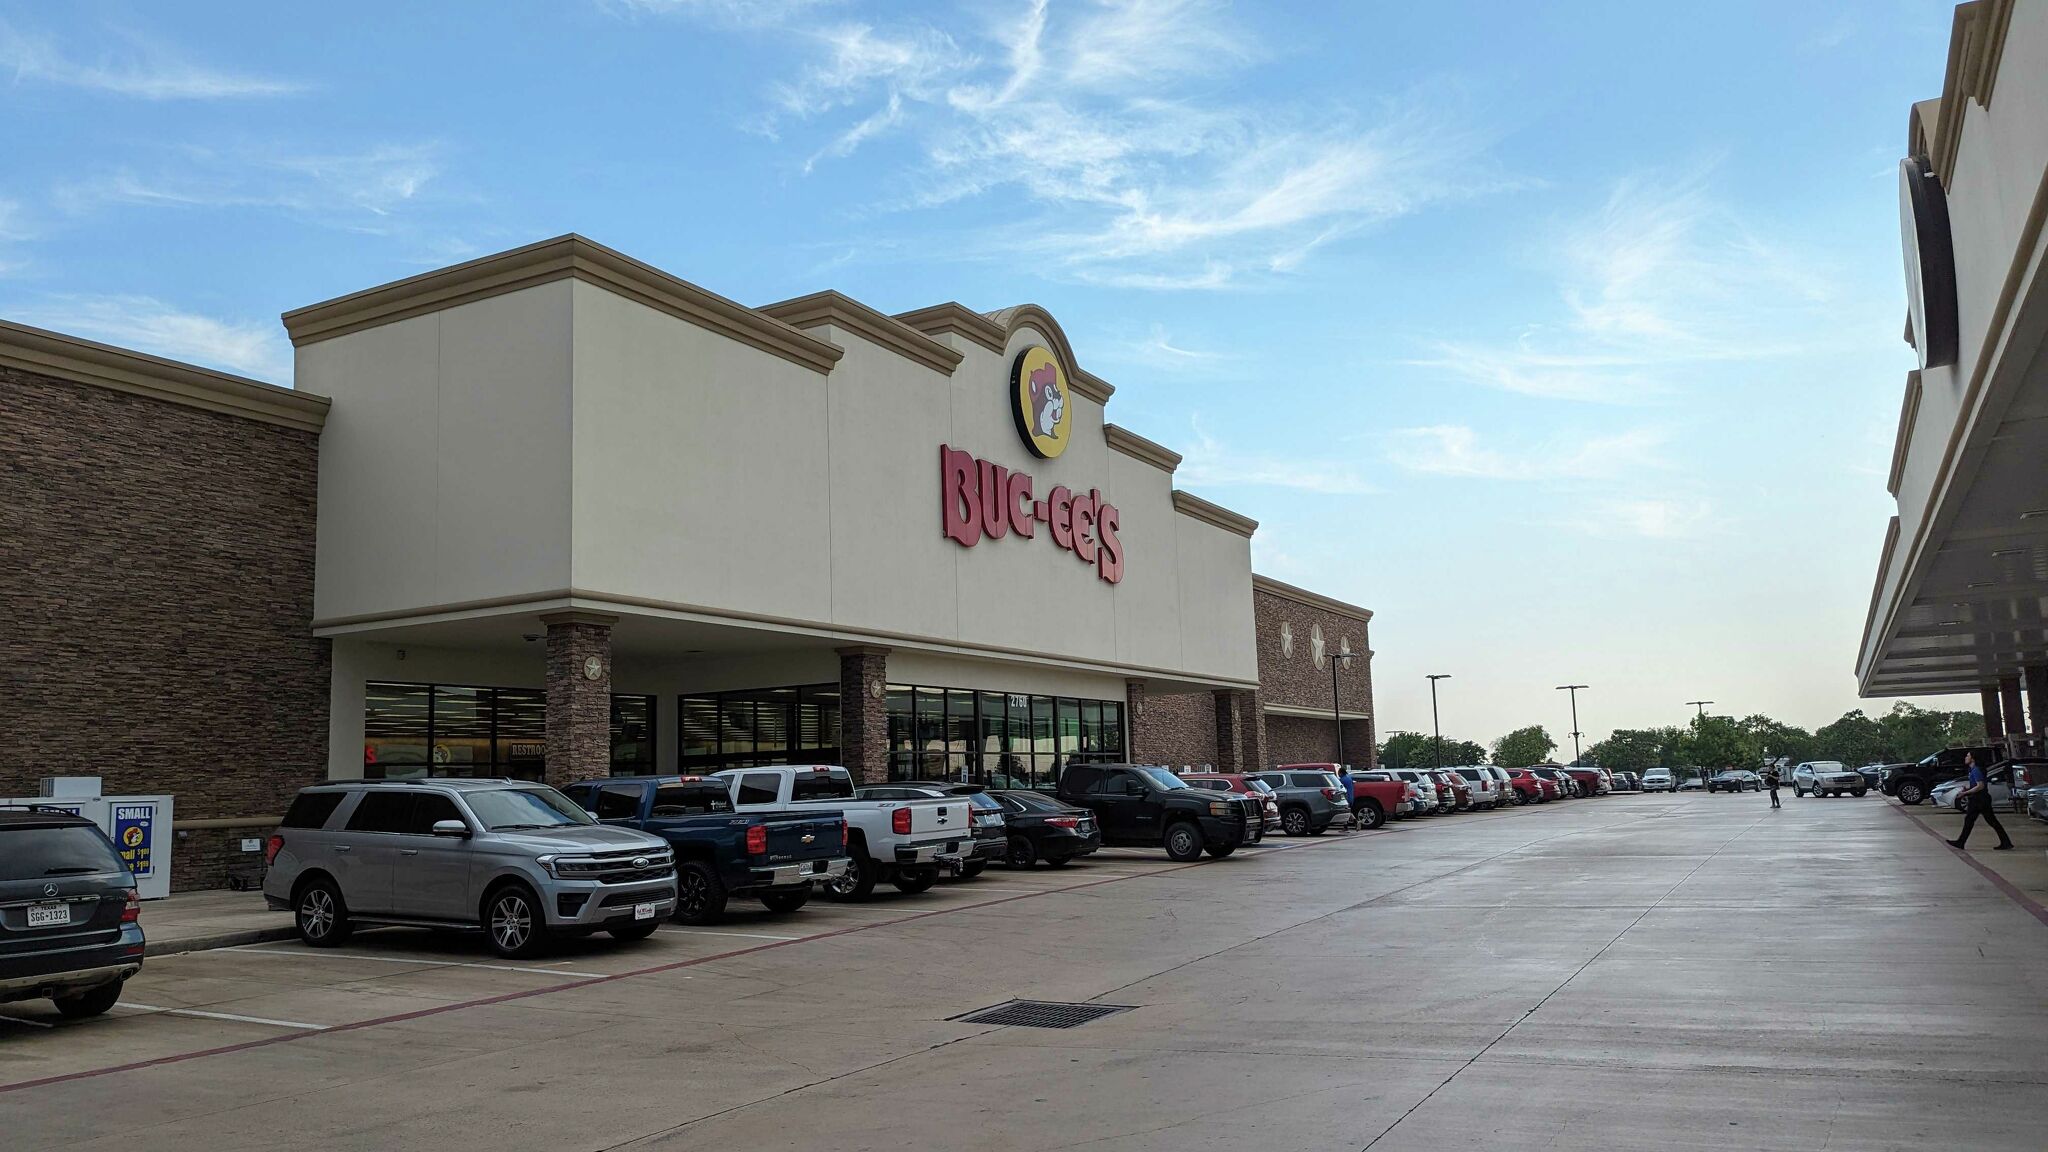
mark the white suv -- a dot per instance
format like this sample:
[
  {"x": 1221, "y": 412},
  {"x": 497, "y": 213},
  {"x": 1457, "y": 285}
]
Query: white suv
[
  {"x": 1485, "y": 789},
  {"x": 1659, "y": 780}
]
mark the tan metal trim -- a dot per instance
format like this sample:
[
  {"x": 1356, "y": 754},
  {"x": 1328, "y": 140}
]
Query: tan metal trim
[
  {"x": 229, "y": 822},
  {"x": 956, "y": 318},
  {"x": 1189, "y": 504},
  {"x": 1121, "y": 439},
  {"x": 1083, "y": 382},
  {"x": 1884, "y": 562},
  {"x": 559, "y": 599},
  {"x": 1909, "y": 412},
  {"x": 1975, "y": 45},
  {"x": 1999, "y": 326},
  {"x": 81, "y": 361},
  {"x": 562, "y": 258},
  {"x": 1299, "y": 595},
  {"x": 1309, "y": 713},
  {"x": 829, "y": 307}
]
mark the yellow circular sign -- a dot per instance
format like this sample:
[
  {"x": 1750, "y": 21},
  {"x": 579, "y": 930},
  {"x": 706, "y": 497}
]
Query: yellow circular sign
[
  {"x": 132, "y": 836},
  {"x": 1039, "y": 401}
]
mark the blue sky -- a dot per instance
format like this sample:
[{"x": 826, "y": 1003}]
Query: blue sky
[{"x": 1565, "y": 337}]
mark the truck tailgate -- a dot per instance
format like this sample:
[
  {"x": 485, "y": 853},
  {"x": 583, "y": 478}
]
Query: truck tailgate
[
  {"x": 939, "y": 816},
  {"x": 800, "y": 836}
]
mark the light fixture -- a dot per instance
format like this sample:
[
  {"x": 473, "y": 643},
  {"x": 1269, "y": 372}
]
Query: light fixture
[
  {"x": 2034, "y": 513},
  {"x": 1947, "y": 623},
  {"x": 530, "y": 637},
  {"x": 2008, "y": 551},
  {"x": 1983, "y": 583}
]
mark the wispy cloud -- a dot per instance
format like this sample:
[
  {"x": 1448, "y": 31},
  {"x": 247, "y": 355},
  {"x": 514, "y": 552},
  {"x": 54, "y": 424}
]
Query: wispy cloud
[
  {"x": 374, "y": 182},
  {"x": 1211, "y": 462},
  {"x": 253, "y": 348},
  {"x": 1455, "y": 450},
  {"x": 127, "y": 65},
  {"x": 1659, "y": 278},
  {"x": 1113, "y": 125},
  {"x": 1643, "y": 517}
]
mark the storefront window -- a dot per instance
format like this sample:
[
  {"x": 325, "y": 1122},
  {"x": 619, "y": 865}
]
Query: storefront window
[
  {"x": 395, "y": 728},
  {"x": 465, "y": 730},
  {"x": 760, "y": 726},
  {"x": 522, "y": 731},
  {"x": 462, "y": 731},
  {"x": 632, "y": 735}
]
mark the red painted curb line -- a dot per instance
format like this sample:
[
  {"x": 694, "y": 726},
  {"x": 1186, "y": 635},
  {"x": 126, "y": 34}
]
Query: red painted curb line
[
  {"x": 377, "y": 1021},
  {"x": 2018, "y": 897}
]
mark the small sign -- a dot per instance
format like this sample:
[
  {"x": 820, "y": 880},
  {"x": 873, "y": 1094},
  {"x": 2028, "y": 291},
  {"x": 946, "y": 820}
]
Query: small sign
[
  {"x": 135, "y": 837},
  {"x": 250, "y": 845}
]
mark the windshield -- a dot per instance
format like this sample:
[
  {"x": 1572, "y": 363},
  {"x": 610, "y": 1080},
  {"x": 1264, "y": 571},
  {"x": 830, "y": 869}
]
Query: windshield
[
  {"x": 504, "y": 809},
  {"x": 1259, "y": 786},
  {"x": 1161, "y": 779},
  {"x": 984, "y": 800},
  {"x": 75, "y": 850}
]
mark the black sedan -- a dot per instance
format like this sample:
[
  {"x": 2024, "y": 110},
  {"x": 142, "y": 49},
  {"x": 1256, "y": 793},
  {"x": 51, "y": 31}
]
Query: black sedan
[
  {"x": 1735, "y": 780},
  {"x": 1042, "y": 828}
]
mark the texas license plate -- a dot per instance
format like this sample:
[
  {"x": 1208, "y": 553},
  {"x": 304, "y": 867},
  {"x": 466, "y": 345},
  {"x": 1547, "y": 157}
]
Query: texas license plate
[
  {"x": 643, "y": 911},
  {"x": 48, "y": 915}
]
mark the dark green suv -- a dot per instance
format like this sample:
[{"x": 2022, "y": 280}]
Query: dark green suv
[{"x": 70, "y": 922}]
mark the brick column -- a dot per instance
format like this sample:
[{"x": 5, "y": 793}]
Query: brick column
[
  {"x": 1229, "y": 732},
  {"x": 579, "y": 720},
  {"x": 1134, "y": 707},
  {"x": 2015, "y": 715},
  {"x": 863, "y": 713},
  {"x": 1252, "y": 721},
  {"x": 2037, "y": 698},
  {"x": 1994, "y": 724},
  {"x": 1358, "y": 749}
]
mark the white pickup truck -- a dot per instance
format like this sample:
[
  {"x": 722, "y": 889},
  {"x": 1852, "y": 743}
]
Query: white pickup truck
[{"x": 905, "y": 842}]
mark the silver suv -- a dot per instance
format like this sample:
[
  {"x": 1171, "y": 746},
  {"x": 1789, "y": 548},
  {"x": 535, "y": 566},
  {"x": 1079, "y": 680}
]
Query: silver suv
[{"x": 519, "y": 860}]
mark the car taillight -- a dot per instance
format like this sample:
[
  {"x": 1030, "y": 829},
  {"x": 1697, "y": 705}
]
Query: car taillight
[
  {"x": 272, "y": 847},
  {"x": 1065, "y": 821},
  {"x": 757, "y": 840},
  {"x": 1331, "y": 793},
  {"x": 131, "y": 911},
  {"x": 842, "y": 834},
  {"x": 899, "y": 822}
]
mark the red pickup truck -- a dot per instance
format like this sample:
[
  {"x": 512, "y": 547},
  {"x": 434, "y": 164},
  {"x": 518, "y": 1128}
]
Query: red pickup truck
[{"x": 1375, "y": 796}]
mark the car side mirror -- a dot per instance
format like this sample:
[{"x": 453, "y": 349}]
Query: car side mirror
[{"x": 455, "y": 828}]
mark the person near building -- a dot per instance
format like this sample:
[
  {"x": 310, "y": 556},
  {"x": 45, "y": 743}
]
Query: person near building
[
  {"x": 1350, "y": 800},
  {"x": 1976, "y": 797},
  {"x": 1771, "y": 782}
]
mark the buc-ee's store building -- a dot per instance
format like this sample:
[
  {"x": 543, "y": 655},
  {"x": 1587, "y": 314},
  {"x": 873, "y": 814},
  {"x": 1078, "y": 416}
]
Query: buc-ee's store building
[{"x": 555, "y": 513}]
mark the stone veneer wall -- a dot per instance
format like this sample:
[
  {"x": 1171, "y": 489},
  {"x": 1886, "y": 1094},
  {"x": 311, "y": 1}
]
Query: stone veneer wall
[
  {"x": 1176, "y": 730},
  {"x": 1291, "y": 678},
  {"x": 156, "y": 606}
]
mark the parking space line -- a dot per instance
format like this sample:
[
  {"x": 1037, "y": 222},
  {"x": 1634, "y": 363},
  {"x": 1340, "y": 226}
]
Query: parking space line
[
  {"x": 685, "y": 930},
  {"x": 573, "y": 985},
  {"x": 153, "y": 1010},
  {"x": 325, "y": 955},
  {"x": 30, "y": 1023}
]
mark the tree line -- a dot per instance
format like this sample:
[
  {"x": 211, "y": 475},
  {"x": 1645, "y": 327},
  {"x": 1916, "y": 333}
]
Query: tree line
[{"x": 1907, "y": 732}]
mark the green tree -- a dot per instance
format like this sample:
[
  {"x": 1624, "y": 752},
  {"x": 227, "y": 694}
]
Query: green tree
[
  {"x": 1910, "y": 732},
  {"x": 1854, "y": 739},
  {"x": 1523, "y": 747},
  {"x": 1636, "y": 749},
  {"x": 1716, "y": 742},
  {"x": 1418, "y": 750},
  {"x": 1776, "y": 739}
]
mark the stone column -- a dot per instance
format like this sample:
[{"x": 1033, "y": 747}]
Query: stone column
[
  {"x": 2037, "y": 699},
  {"x": 1252, "y": 720},
  {"x": 863, "y": 713},
  {"x": 579, "y": 686},
  {"x": 1134, "y": 707},
  {"x": 1229, "y": 731},
  {"x": 1994, "y": 725},
  {"x": 2015, "y": 716}
]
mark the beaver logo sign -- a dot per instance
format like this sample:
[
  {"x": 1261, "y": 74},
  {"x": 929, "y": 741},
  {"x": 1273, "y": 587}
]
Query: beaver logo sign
[{"x": 1038, "y": 399}]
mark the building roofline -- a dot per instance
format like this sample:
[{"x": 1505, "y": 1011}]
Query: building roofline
[
  {"x": 561, "y": 258},
  {"x": 1313, "y": 599},
  {"x": 955, "y": 318},
  {"x": 830, "y": 307},
  {"x": 1131, "y": 444},
  {"x": 1189, "y": 504},
  {"x": 84, "y": 361}
]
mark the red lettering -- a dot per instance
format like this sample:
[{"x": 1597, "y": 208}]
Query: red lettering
[
  {"x": 1060, "y": 504},
  {"x": 1084, "y": 525},
  {"x": 1109, "y": 561},
  {"x": 959, "y": 512},
  {"x": 1018, "y": 495},
  {"x": 995, "y": 485}
]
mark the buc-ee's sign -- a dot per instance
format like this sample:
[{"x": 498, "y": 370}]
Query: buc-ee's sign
[{"x": 984, "y": 500}]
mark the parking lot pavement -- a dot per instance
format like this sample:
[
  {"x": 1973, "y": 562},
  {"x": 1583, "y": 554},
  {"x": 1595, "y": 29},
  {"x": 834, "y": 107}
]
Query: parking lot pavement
[{"x": 1624, "y": 972}]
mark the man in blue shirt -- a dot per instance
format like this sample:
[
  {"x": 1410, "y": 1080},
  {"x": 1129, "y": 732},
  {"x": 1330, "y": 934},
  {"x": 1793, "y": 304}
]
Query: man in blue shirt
[
  {"x": 1344, "y": 781},
  {"x": 1977, "y": 802}
]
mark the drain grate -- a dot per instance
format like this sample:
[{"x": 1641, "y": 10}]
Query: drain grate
[{"x": 1042, "y": 1014}]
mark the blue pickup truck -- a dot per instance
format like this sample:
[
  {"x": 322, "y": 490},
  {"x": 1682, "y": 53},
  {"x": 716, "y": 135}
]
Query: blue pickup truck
[{"x": 773, "y": 857}]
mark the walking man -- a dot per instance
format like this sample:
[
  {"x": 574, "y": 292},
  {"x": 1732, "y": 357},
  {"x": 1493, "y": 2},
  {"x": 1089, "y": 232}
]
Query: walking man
[
  {"x": 1977, "y": 802},
  {"x": 1771, "y": 782},
  {"x": 1350, "y": 801}
]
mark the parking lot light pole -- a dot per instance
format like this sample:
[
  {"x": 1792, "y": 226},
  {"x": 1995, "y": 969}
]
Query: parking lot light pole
[
  {"x": 1434, "y": 723},
  {"x": 1574, "y": 690},
  {"x": 1336, "y": 710},
  {"x": 1700, "y": 704}
]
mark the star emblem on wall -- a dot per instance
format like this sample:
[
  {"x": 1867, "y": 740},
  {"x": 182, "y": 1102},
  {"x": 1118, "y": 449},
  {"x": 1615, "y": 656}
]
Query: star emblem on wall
[
  {"x": 1287, "y": 639},
  {"x": 1315, "y": 643}
]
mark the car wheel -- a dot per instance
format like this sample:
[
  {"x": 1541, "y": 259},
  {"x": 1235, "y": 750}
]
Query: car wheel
[
  {"x": 1293, "y": 821},
  {"x": 1058, "y": 861},
  {"x": 700, "y": 894},
  {"x": 786, "y": 901},
  {"x": 92, "y": 1002},
  {"x": 1184, "y": 841},
  {"x": 1219, "y": 851},
  {"x": 857, "y": 882},
  {"x": 1370, "y": 816},
  {"x": 911, "y": 881},
  {"x": 1911, "y": 793},
  {"x": 637, "y": 930},
  {"x": 320, "y": 916},
  {"x": 1859, "y": 793},
  {"x": 1022, "y": 854},
  {"x": 970, "y": 870},
  {"x": 514, "y": 921}
]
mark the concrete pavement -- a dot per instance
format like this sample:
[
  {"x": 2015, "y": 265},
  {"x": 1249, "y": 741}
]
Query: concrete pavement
[{"x": 1625, "y": 972}]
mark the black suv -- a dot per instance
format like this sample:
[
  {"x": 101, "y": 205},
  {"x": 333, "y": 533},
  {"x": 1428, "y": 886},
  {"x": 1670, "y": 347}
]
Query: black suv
[
  {"x": 1912, "y": 782},
  {"x": 1141, "y": 805},
  {"x": 70, "y": 927}
]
